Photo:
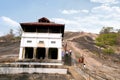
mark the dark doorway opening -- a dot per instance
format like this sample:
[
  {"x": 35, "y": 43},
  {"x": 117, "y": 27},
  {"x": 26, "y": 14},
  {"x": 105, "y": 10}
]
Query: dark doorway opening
[
  {"x": 40, "y": 53},
  {"x": 53, "y": 53},
  {"x": 29, "y": 52}
]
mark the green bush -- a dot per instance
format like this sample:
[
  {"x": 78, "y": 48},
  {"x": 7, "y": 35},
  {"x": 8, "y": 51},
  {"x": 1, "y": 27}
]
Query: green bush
[
  {"x": 100, "y": 44},
  {"x": 108, "y": 51},
  {"x": 108, "y": 39}
]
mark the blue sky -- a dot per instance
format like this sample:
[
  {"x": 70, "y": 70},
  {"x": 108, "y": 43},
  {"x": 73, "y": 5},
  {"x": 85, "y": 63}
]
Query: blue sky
[{"x": 77, "y": 15}]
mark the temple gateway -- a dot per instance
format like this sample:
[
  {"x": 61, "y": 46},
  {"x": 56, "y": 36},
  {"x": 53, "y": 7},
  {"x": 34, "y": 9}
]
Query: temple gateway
[
  {"x": 41, "y": 40},
  {"x": 40, "y": 49}
]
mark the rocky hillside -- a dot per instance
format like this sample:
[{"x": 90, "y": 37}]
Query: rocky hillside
[
  {"x": 9, "y": 51},
  {"x": 87, "y": 41},
  {"x": 99, "y": 66}
]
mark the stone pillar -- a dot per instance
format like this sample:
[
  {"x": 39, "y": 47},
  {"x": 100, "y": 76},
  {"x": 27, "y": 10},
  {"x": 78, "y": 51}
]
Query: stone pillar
[
  {"x": 23, "y": 53},
  {"x": 20, "y": 53},
  {"x": 46, "y": 54},
  {"x": 34, "y": 53},
  {"x": 59, "y": 54}
]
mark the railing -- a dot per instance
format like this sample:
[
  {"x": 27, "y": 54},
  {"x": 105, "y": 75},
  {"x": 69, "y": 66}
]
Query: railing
[
  {"x": 12, "y": 70},
  {"x": 32, "y": 67}
]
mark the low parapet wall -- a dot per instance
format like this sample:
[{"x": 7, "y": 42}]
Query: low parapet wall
[{"x": 13, "y": 70}]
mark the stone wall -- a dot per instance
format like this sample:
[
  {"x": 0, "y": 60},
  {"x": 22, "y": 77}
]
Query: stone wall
[{"x": 13, "y": 70}]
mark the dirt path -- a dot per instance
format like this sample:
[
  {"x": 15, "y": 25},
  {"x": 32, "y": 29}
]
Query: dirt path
[{"x": 94, "y": 69}]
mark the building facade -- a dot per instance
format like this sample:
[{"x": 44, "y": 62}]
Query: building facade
[{"x": 41, "y": 40}]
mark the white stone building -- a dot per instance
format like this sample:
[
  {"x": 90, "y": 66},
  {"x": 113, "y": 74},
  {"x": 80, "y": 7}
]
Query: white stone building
[{"x": 41, "y": 40}]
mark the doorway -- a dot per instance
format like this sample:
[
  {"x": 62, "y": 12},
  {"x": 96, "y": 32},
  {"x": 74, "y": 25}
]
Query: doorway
[
  {"x": 53, "y": 53},
  {"x": 28, "y": 52},
  {"x": 40, "y": 53}
]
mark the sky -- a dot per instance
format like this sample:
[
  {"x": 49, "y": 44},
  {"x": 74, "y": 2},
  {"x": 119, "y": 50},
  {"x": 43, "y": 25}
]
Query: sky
[{"x": 77, "y": 15}]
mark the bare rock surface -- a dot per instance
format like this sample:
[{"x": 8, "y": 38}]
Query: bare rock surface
[{"x": 97, "y": 66}]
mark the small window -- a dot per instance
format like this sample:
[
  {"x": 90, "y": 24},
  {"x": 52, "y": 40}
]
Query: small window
[
  {"x": 41, "y": 42},
  {"x": 29, "y": 41},
  {"x": 53, "y": 42}
]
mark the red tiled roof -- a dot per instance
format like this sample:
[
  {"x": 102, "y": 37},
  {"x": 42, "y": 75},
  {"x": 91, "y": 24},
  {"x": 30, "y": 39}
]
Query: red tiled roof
[{"x": 41, "y": 22}]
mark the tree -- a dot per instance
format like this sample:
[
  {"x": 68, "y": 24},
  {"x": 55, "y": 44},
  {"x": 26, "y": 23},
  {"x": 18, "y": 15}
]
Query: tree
[
  {"x": 11, "y": 33},
  {"x": 109, "y": 39},
  {"x": 106, "y": 30},
  {"x": 19, "y": 31},
  {"x": 118, "y": 30},
  {"x": 9, "y": 37}
]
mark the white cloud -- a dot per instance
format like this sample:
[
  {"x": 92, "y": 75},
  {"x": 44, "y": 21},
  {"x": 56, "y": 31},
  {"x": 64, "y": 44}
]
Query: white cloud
[
  {"x": 6, "y": 24},
  {"x": 74, "y": 11},
  {"x": 69, "y": 11},
  {"x": 64, "y": 21},
  {"x": 97, "y": 17},
  {"x": 106, "y": 9},
  {"x": 101, "y": 16},
  {"x": 105, "y": 1},
  {"x": 85, "y": 11},
  {"x": 108, "y": 13},
  {"x": 86, "y": 24},
  {"x": 9, "y": 21},
  {"x": 71, "y": 25}
]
